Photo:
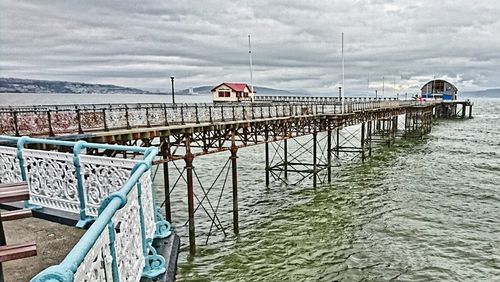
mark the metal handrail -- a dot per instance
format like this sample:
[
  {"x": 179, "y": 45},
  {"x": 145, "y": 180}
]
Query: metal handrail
[{"x": 68, "y": 268}]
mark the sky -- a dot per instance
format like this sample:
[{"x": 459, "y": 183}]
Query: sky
[{"x": 296, "y": 44}]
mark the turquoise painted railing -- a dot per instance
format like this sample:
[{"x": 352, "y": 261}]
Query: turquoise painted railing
[{"x": 118, "y": 245}]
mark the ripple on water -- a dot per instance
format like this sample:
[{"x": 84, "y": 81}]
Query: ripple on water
[{"x": 420, "y": 211}]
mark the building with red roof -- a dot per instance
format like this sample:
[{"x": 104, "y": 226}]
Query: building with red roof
[{"x": 232, "y": 92}]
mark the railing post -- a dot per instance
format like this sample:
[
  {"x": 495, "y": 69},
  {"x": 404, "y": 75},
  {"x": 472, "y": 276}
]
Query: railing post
[
  {"x": 84, "y": 219},
  {"x": 148, "y": 123},
  {"x": 79, "y": 120},
  {"x": 210, "y": 114},
  {"x": 49, "y": 119},
  {"x": 182, "y": 115},
  {"x": 222, "y": 112},
  {"x": 153, "y": 265},
  {"x": 165, "y": 113},
  {"x": 234, "y": 117},
  {"x": 104, "y": 120},
  {"x": 196, "y": 113},
  {"x": 127, "y": 117},
  {"x": 112, "y": 251},
  {"x": 15, "y": 123}
]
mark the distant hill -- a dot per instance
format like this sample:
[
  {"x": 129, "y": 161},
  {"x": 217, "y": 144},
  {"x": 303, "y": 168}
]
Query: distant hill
[
  {"x": 488, "y": 93},
  {"x": 258, "y": 89},
  {"x": 17, "y": 85}
]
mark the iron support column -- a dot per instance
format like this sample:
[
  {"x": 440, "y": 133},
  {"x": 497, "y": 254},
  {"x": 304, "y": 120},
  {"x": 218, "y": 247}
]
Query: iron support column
[
  {"x": 337, "y": 142},
  {"x": 267, "y": 156},
  {"x": 166, "y": 186},
  {"x": 285, "y": 161},
  {"x": 369, "y": 139},
  {"x": 166, "y": 180},
  {"x": 315, "y": 168},
  {"x": 363, "y": 141},
  {"x": 234, "y": 168},
  {"x": 188, "y": 158},
  {"x": 329, "y": 154}
]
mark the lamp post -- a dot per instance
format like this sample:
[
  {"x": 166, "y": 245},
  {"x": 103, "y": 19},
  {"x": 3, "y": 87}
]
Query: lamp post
[{"x": 173, "y": 95}]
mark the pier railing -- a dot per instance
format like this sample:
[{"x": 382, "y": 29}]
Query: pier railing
[
  {"x": 316, "y": 99},
  {"x": 116, "y": 193},
  {"x": 79, "y": 119}
]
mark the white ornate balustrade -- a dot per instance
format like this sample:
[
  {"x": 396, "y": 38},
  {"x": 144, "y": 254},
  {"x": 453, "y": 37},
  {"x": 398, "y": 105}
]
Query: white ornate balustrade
[{"x": 116, "y": 193}]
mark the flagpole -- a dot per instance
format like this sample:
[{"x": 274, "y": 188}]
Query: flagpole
[
  {"x": 343, "y": 86},
  {"x": 251, "y": 67}
]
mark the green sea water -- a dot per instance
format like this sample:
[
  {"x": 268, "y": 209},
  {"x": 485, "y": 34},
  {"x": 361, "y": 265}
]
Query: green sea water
[{"x": 422, "y": 210}]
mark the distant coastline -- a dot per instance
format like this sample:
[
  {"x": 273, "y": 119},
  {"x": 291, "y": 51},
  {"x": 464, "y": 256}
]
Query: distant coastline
[{"x": 33, "y": 86}]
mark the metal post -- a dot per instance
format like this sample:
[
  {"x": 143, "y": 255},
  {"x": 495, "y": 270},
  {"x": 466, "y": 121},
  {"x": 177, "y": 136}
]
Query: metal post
[
  {"x": 407, "y": 121},
  {"x": 79, "y": 119},
  {"x": 394, "y": 127},
  {"x": 166, "y": 182},
  {"x": 363, "y": 141},
  {"x": 173, "y": 94},
  {"x": 369, "y": 139},
  {"x": 104, "y": 120},
  {"x": 16, "y": 123},
  {"x": 470, "y": 111},
  {"x": 315, "y": 169},
  {"x": 51, "y": 132},
  {"x": 267, "y": 156},
  {"x": 234, "y": 168},
  {"x": 285, "y": 161},
  {"x": 337, "y": 142},
  {"x": 329, "y": 154},
  {"x": 188, "y": 158}
]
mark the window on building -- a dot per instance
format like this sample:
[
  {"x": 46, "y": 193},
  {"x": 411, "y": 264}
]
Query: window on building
[
  {"x": 224, "y": 94},
  {"x": 238, "y": 94},
  {"x": 245, "y": 94}
]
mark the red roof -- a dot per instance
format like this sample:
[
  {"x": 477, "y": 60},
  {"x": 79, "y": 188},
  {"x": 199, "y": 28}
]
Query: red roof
[{"x": 235, "y": 86}]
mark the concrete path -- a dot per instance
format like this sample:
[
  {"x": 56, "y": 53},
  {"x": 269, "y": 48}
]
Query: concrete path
[{"x": 53, "y": 242}]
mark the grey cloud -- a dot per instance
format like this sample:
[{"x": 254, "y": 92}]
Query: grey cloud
[{"x": 296, "y": 44}]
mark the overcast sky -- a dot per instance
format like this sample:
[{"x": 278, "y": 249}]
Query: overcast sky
[{"x": 296, "y": 44}]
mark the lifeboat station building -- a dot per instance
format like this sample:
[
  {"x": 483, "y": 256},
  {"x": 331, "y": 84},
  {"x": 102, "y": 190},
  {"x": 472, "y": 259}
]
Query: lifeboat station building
[
  {"x": 439, "y": 89},
  {"x": 232, "y": 92}
]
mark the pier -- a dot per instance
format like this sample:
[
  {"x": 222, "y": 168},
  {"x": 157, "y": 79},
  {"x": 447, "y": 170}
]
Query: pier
[{"x": 108, "y": 152}]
